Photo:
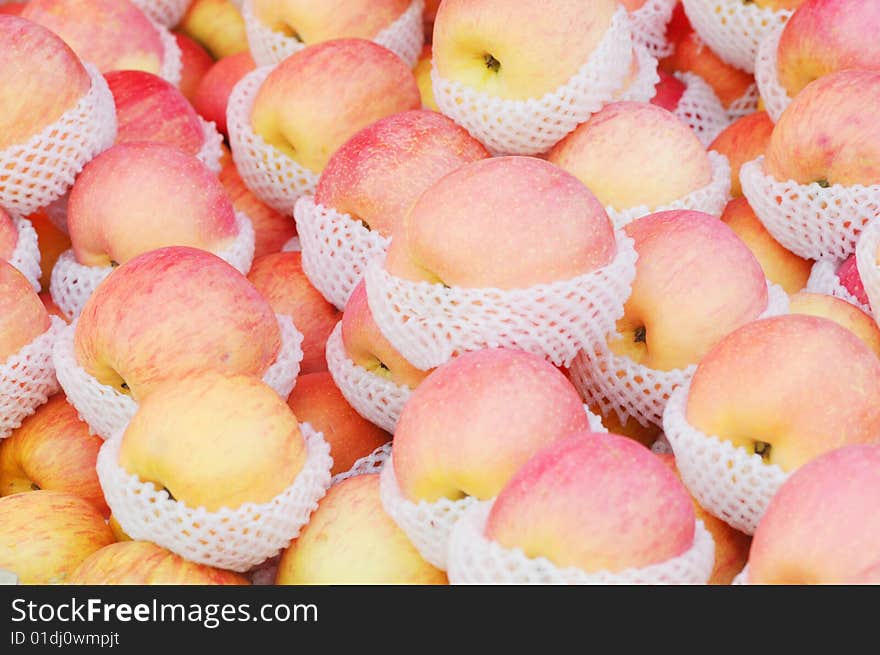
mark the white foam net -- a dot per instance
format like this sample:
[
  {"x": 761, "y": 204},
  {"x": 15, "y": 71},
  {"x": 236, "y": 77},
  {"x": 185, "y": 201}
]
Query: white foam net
[
  {"x": 233, "y": 539},
  {"x": 41, "y": 170},
  {"x": 164, "y": 12},
  {"x": 727, "y": 481},
  {"x": 649, "y": 26},
  {"x": 866, "y": 261},
  {"x": 823, "y": 279},
  {"x": 701, "y": 109},
  {"x": 644, "y": 86},
  {"x": 430, "y": 323},
  {"x": 747, "y": 104},
  {"x": 773, "y": 94},
  {"x": 372, "y": 463},
  {"x": 72, "y": 283},
  {"x": 211, "y": 151},
  {"x": 631, "y": 390},
  {"x": 533, "y": 126},
  {"x": 810, "y": 221},
  {"x": 271, "y": 175},
  {"x": 710, "y": 199},
  {"x": 107, "y": 411},
  {"x": 57, "y": 212},
  {"x": 742, "y": 578},
  {"x": 476, "y": 559},
  {"x": 732, "y": 28},
  {"x": 336, "y": 249},
  {"x": 377, "y": 399},
  {"x": 26, "y": 256}
]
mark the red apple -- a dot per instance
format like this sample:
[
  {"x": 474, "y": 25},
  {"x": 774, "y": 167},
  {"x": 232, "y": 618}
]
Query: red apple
[{"x": 212, "y": 94}]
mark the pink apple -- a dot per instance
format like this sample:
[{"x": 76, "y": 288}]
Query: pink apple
[
  {"x": 668, "y": 91},
  {"x": 8, "y": 235},
  {"x": 742, "y": 141},
  {"x": 212, "y": 95},
  {"x": 849, "y": 277},
  {"x": 51, "y": 241},
  {"x": 841, "y": 312},
  {"x": 196, "y": 63},
  {"x": 22, "y": 316}
]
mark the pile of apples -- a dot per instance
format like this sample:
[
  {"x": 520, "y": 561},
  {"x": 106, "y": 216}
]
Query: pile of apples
[{"x": 439, "y": 291}]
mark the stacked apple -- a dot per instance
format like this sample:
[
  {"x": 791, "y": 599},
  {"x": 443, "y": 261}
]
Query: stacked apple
[{"x": 420, "y": 292}]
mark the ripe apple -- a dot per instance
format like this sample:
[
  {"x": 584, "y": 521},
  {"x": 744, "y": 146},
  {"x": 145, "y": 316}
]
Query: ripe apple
[
  {"x": 280, "y": 279},
  {"x": 743, "y": 140},
  {"x": 111, "y": 34},
  {"x": 679, "y": 26},
  {"x": 52, "y": 450},
  {"x": 51, "y": 307},
  {"x": 32, "y": 60},
  {"x": 598, "y": 502},
  {"x": 316, "y": 99},
  {"x": 217, "y": 25},
  {"x": 781, "y": 266},
  {"x": 379, "y": 173},
  {"x": 828, "y": 134},
  {"x": 212, "y": 95},
  {"x": 820, "y": 527},
  {"x": 668, "y": 91},
  {"x": 841, "y": 312},
  {"x": 22, "y": 316},
  {"x": 139, "y": 196},
  {"x": 422, "y": 71},
  {"x": 631, "y": 428},
  {"x": 351, "y": 540},
  {"x": 517, "y": 50},
  {"x": 46, "y": 534},
  {"x": 505, "y": 222},
  {"x": 317, "y": 400},
  {"x": 635, "y": 153},
  {"x": 476, "y": 420},
  {"x": 12, "y": 8},
  {"x": 196, "y": 63},
  {"x": 849, "y": 277},
  {"x": 788, "y": 388},
  {"x": 214, "y": 440},
  {"x": 8, "y": 235},
  {"x": 51, "y": 241},
  {"x": 145, "y": 563},
  {"x": 696, "y": 281},
  {"x": 172, "y": 312}
]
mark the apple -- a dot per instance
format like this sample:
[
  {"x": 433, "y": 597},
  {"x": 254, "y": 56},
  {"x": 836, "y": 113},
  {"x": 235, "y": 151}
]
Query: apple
[
  {"x": 841, "y": 312},
  {"x": 631, "y": 428},
  {"x": 111, "y": 34},
  {"x": 517, "y": 50},
  {"x": 46, "y": 534},
  {"x": 280, "y": 279},
  {"x": 12, "y": 8},
  {"x": 505, "y": 222},
  {"x": 212, "y": 95},
  {"x": 781, "y": 266},
  {"x": 351, "y": 540},
  {"x": 22, "y": 316},
  {"x": 214, "y": 440},
  {"x": 150, "y": 109},
  {"x": 217, "y": 25},
  {"x": 422, "y": 71},
  {"x": 849, "y": 277},
  {"x": 139, "y": 196},
  {"x": 742, "y": 141},
  {"x": 430, "y": 13},
  {"x": 778, "y": 5},
  {"x": 679, "y": 26},
  {"x": 51, "y": 307},
  {"x": 32, "y": 60},
  {"x": 8, "y": 235},
  {"x": 377, "y": 175},
  {"x": 820, "y": 527},
  {"x": 828, "y": 134},
  {"x": 145, "y": 563},
  {"x": 173, "y": 312},
  {"x": 827, "y": 36},
  {"x": 668, "y": 91},
  {"x": 52, "y": 450},
  {"x": 695, "y": 282},
  {"x": 598, "y": 502},
  {"x": 367, "y": 347},
  {"x": 317, "y": 400},
  {"x": 196, "y": 63},
  {"x": 476, "y": 420},
  {"x": 316, "y": 99},
  {"x": 634, "y": 153},
  {"x": 51, "y": 241},
  {"x": 788, "y": 388}
]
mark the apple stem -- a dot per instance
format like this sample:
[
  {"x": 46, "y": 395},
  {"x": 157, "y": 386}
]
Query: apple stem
[
  {"x": 823, "y": 183},
  {"x": 762, "y": 448},
  {"x": 640, "y": 335},
  {"x": 491, "y": 63}
]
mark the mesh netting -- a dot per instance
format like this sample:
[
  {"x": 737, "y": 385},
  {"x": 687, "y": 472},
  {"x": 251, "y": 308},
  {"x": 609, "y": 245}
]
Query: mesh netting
[
  {"x": 773, "y": 94},
  {"x": 26, "y": 256}
]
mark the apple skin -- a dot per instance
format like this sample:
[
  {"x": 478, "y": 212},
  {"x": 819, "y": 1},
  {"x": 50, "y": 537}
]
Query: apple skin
[
  {"x": 217, "y": 25},
  {"x": 504, "y": 222},
  {"x": 310, "y": 22},
  {"x": 781, "y": 266},
  {"x": 318, "y": 98},
  {"x": 150, "y": 109},
  {"x": 139, "y": 196},
  {"x": 598, "y": 502},
  {"x": 12, "y": 8},
  {"x": 214, "y": 440},
  {"x": 351, "y": 540},
  {"x": 52, "y": 450},
  {"x": 630, "y": 428},
  {"x": 849, "y": 277},
  {"x": 821, "y": 527},
  {"x": 145, "y": 563},
  {"x": 111, "y": 34},
  {"x": 22, "y": 316},
  {"x": 731, "y": 545},
  {"x": 476, "y": 420},
  {"x": 802, "y": 384},
  {"x": 379, "y": 173},
  {"x": 51, "y": 242},
  {"x": 534, "y": 50},
  {"x": 196, "y": 63},
  {"x": 824, "y": 37},
  {"x": 173, "y": 312},
  {"x": 841, "y": 312},
  {"x": 624, "y": 137},
  {"x": 47, "y": 534},
  {"x": 51, "y": 307},
  {"x": 777, "y": 5},
  {"x": 668, "y": 91},
  {"x": 8, "y": 235},
  {"x": 280, "y": 279},
  {"x": 742, "y": 141},
  {"x": 212, "y": 95},
  {"x": 317, "y": 400},
  {"x": 367, "y": 347},
  {"x": 32, "y": 60},
  {"x": 828, "y": 134},
  {"x": 695, "y": 282},
  {"x": 422, "y": 71}
]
